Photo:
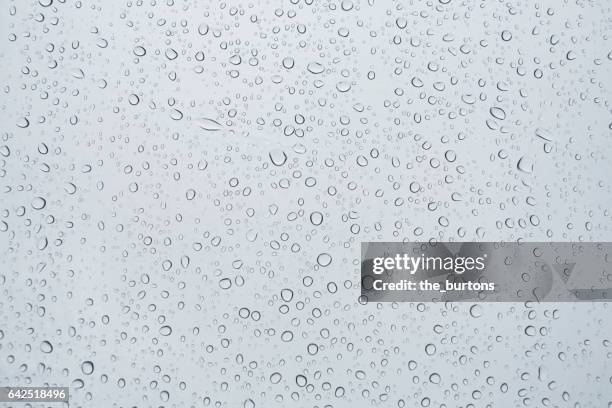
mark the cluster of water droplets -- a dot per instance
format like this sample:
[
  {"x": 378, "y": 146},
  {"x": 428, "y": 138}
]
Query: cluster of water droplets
[{"x": 184, "y": 187}]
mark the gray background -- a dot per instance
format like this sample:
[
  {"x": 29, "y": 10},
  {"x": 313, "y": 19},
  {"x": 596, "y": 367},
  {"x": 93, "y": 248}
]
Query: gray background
[{"x": 184, "y": 187}]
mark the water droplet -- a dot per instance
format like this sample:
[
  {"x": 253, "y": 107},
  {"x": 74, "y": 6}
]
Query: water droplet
[
  {"x": 278, "y": 157},
  {"x": 288, "y": 62},
  {"x": 87, "y": 367},
  {"x": 525, "y": 164},
  {"x": 476, "y": 311},
  {"x": 324, "y": 259},
  {"x": 23, "y": 123},
  {"x": 46, "y": 347},
  {"x": 38, "y": 203},
  {"x": 140, "y": 51},
  {"x": 543, "y": 134},
  {"x": 315, "y": 67},
  {"x": 210, "y": 125}
]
